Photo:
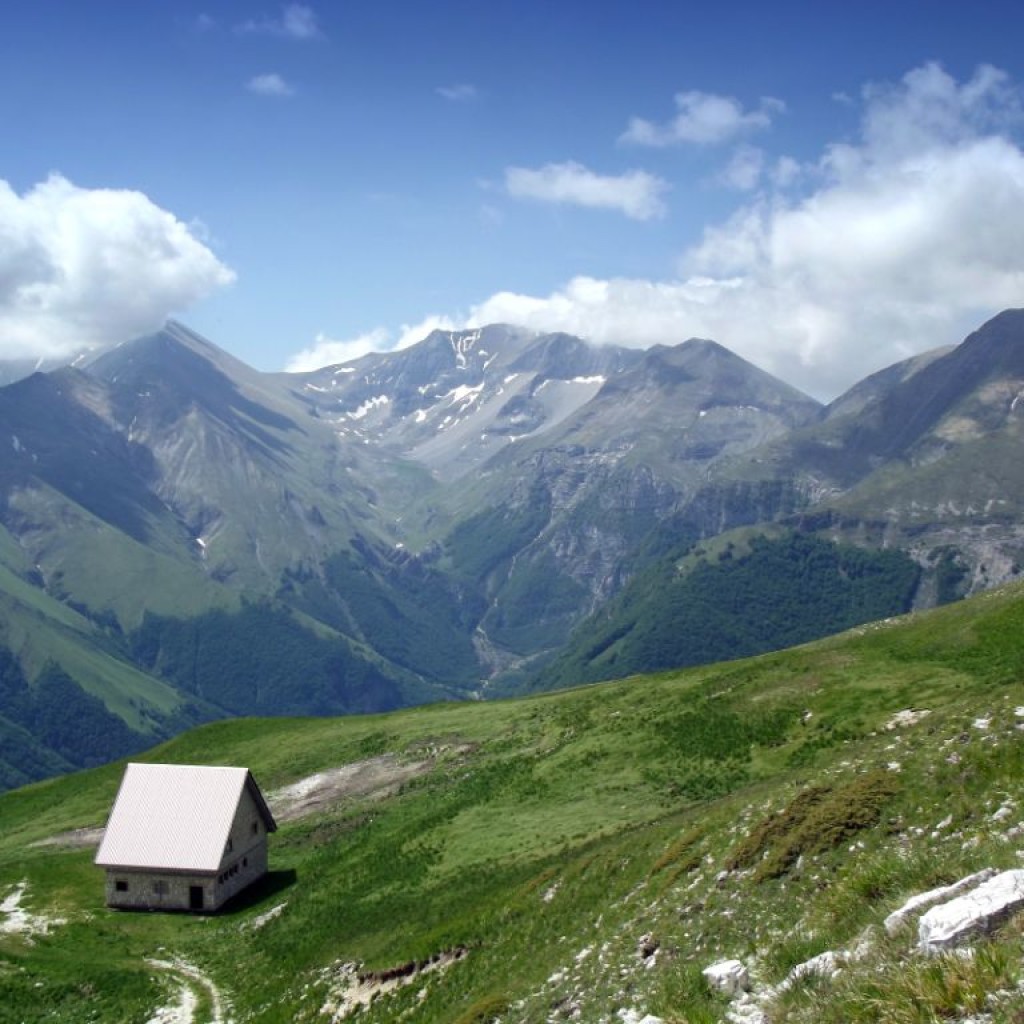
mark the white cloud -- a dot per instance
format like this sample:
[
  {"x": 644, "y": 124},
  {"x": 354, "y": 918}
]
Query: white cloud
[
  {"x": 704, "y": 119},
  {"x": 88, "y": 267},
  {"x": 297, "y": 21},
  {"x": 637, "y": 194},
  {"x": 743, "y": 171},
  {"x": 460, "y": 93},
  {"x": 270, "y": 84},
  {"x": 327, "y": 351},
  {"x": 900, "y": 241}
]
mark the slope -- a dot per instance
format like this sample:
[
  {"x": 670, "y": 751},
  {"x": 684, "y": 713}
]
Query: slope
[{"x": 583, "y": 855}]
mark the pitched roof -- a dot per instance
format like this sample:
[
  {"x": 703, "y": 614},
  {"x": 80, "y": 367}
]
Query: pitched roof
[{"x": 176, "y": 817}]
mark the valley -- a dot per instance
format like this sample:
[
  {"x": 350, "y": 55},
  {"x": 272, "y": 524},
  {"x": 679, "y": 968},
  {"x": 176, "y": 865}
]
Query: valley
[{"x": 486, "y": 513}]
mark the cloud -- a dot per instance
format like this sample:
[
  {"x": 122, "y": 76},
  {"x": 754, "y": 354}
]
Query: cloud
[
  {"x": 743, "y": 171},
  {"x": 87, "y": 267},
  {"x": 461, "y": 93},
  {"x": 327, "y": 351},
  {"x": 896, "y": 242},
  {"x": 297, "y": 21},
  {"x": 704, "y": 119},
  {"x": 271, "y": 84},
  {"x": 637, "y": 194}
]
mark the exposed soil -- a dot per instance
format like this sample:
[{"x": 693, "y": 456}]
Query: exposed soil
[
  {"x": 352, "y": 989},
  {"x": 16, "y": 920},
  {"x": 374, "y": 778}
]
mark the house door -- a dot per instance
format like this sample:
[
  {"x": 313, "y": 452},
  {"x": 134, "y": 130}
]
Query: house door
[{"x": 195, "y": 897}]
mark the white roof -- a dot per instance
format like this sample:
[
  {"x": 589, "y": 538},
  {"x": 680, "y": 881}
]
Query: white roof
[{"x": 175, "y": 817}]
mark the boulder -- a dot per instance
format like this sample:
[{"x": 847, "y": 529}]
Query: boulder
[
  {"x": 727, "y": 976},
  {"x": 923, "y": 900},
  {"x": 974, "y": 913}
]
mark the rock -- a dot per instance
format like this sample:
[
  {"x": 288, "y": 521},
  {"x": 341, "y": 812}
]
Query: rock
[
  {"x": 918, "y": 903},
  {"x": 824, "y": 965},
  {"x": 745, "y": 1010},
  {"x": 727, "y": 976},
  {"x": 908, "y": 716},
  {"x": 633, "y": 1017},
  {"x": 976, "y": 912}
]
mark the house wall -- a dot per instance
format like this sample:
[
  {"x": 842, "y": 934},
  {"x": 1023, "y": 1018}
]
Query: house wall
[{"x": 156, "y": 890}]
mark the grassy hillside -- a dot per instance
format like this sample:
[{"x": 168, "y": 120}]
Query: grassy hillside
[{"x": 578, "y": 854}]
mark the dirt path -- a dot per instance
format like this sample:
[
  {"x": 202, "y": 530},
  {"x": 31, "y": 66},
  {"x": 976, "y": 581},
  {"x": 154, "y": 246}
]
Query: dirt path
[{"x": 190, "y": 979}]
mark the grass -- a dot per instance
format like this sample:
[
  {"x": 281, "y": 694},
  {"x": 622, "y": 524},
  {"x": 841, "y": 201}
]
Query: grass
[{"x": 553, "y": 841}]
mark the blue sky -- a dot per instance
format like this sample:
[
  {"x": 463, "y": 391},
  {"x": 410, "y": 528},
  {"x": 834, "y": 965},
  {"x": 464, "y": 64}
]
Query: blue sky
[{"x": 822, "y": 188}]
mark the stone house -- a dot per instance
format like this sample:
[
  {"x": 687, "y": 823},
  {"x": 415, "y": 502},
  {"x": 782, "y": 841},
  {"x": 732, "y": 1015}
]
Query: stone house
[{"x": 184, "y": 837}]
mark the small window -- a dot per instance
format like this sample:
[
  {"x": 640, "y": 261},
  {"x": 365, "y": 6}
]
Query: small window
[
  {"x": 255, "y": 827},
  {"x": 120, "y": 885},
  {"x": 230, "y": 845},
  {"x": 245, "y": 862}
]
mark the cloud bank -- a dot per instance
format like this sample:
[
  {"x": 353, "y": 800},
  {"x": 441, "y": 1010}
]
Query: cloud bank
[
  {"x": 80, "y": 268},
  {"x": 901, "y": 240}
]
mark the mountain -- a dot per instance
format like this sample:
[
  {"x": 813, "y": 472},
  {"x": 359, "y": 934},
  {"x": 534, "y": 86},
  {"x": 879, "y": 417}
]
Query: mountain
[
  {"x": 458, "y": 397},
  {"x": 585, "y": 855},
  {"x": 485, "y": 512}
]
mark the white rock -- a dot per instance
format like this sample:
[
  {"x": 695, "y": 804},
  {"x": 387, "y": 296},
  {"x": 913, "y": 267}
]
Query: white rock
[
  {"x": 728, "y": 976},
  {"x": 917, "y": 903},
  {"x": 745, "y": 1011},
  {"x": 824, "y": 965},
  {"x": 633, "y": 1017},
  {"x": 976, "y": 912}
]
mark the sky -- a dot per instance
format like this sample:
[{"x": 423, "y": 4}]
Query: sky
[{"x": 824, "y": 189}]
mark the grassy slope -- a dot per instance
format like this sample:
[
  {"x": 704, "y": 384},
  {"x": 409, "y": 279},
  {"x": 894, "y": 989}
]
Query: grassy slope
[{"x": 555, "y": 833}]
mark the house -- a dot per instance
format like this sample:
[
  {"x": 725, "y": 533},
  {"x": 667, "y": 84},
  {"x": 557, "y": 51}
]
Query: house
[{"x": 184, "y": 837}]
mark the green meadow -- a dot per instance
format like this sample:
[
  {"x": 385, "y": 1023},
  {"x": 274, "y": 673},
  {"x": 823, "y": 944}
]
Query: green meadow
[{"x": 577, "y": 854}]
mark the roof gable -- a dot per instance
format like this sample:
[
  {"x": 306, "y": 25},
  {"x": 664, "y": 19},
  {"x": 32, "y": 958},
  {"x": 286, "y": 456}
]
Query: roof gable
[{"x": 176, "y": 816}]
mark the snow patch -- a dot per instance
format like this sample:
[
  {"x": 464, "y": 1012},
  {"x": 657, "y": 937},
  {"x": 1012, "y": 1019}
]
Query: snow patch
[{"x": 368, "y": 406}]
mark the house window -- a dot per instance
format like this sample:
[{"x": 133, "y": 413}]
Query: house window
[
  {"x": 255, "y": 827},
  {"x": 230, "y": 845},
  {"x": 120, "y": 885}
]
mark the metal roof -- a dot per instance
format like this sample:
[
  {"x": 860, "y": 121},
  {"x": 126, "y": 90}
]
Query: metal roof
[{"x": 176, "y": 817}]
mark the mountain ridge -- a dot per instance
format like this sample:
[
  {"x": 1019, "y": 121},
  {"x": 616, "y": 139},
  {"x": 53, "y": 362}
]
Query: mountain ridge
[{"x": 447, "y": 518}]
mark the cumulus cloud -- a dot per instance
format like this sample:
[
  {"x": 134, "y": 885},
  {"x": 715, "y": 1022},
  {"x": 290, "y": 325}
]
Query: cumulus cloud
[
  {"x": 460, "y": 93},
  {"x": 637, "y": 194},
  {"x": 297, "y": 21},
  {"x": 705, "y": 119},
  {"x": 81, "y": 268},
  {"x": 270, "y": 84}
]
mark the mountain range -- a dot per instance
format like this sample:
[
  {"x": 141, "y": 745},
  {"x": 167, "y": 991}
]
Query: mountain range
[{"x": 489, "y": 511}]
